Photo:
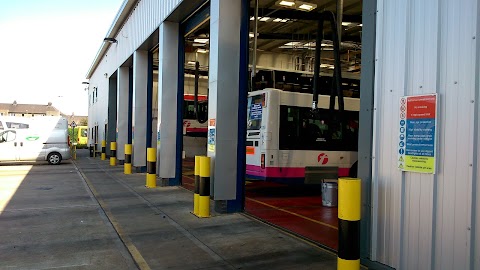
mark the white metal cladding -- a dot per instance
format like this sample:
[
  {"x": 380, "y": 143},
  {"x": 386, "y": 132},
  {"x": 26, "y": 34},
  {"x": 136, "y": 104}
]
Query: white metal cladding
[
  {"x": 142, "y": 22},
  {"x": 422, "y": 221},
  {"x": 144, "y": 19},
  {"x": 98, "y": 112},
  {"x": 476, "y": 221}
]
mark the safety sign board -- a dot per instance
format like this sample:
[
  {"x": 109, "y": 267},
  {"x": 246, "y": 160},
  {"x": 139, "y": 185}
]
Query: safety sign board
[
  {"x": 211, "y": 135},
  {"x": 417, "y": 133}
]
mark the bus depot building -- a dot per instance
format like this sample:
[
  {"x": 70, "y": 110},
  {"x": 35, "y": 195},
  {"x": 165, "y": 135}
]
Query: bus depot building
[{"x": 396, "y": 83}]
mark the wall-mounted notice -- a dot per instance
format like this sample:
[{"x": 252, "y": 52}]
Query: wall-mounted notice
[
  {"x": 211, "y": 135},
  {"x": 417, "y": 133}
]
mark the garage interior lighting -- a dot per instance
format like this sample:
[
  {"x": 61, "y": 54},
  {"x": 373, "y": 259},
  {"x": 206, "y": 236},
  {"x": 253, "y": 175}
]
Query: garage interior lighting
[
  {"x": 264, "y": 19},
  {"x": 298, "y": 5},
  {"x": 307, "y": 6},
  {"x": 285, "y": 3},
  {"x": 201, "y": 40},
  {"x": 202, "y": 51}
]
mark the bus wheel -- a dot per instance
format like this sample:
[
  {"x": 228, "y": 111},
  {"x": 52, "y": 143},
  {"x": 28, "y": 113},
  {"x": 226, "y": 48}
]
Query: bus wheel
[
  {"x": 54, "y": 158},
  {"x": 354, "y": 170}
]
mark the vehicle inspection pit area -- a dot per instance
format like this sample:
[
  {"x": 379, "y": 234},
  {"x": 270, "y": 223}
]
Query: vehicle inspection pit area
[{"x": 86, "y": 214}]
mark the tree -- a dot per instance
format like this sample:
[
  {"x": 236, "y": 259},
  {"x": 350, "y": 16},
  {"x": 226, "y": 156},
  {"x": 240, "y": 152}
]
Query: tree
[{"x": 83, "y": 122}]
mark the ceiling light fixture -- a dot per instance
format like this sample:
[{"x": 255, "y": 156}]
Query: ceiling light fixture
[
  {"x": 307, "y": 6},
  {"x": 285, "y": 3},
  {"x": 277, "y": 20},
  {"x": 110, "y": 40},
  {"x": 202, "y": 50},
  {"x": 298, "y": 5},
  {"x": 201, "y": 40},
  {"x": 264, "y": 19}
]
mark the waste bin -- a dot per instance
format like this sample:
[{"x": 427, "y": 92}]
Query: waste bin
[
  {"x": 329, "y": 194},
  {"x": 90, "y": 148}
]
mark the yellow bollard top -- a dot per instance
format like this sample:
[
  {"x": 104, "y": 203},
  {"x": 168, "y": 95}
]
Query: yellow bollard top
[
  {"x": 204, "y": 166},
  {"x": 128, "y": 149},
  {"x": 197, "y": 165},
  {"x": 113, "y": 145},
  {"x": 349, "y": 198},
  {"x": 104, "y": 143},
  {"x": 152, "y": 154}
]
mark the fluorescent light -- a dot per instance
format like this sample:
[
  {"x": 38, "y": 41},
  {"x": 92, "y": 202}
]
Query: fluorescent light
[
  {"x": 284, "y": 20},
  {"x": 346, "y": 23},
  {"x": 251, "y": 34},
  {"x": 294, "y": 4},
  {"x": 360, "y": 25},
  {"x": 306, "y": 7},
  {"x": 252, "y": 18},
  {"x": 202, "y": 51},
  {"x": 286, "y": 3},
  {"x": 201, "y": 40},
  {"x": 191, "y": 62},
  {"x": 327, "y": 45},
  {"x": 293, "y": 43},
  {"x": 264, "y": 19},
  {"x": 277, "y": 20}
]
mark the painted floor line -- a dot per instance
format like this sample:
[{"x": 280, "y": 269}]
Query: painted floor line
[
  {"x": 174, "y": 223},
  {"x": 286, "y": 211},
  {"x": 292, "y": 213},
  {"x": 132, "y": 249}
]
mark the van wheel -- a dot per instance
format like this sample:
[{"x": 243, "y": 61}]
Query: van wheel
[{"x": 54, "y": 158}]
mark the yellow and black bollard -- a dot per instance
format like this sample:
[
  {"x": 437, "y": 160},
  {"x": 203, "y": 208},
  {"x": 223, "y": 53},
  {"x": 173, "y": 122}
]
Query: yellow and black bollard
[
  {"x": 127, "y": 166},
  {"x": 196, "y": 192},
  {"x": 204, "y": 188},
  {"x": 104, "y": 148},
  {"x": 151, "y": 168},
  {"x": 349, "y": 206},
  {"x": 113, "y": 153}
]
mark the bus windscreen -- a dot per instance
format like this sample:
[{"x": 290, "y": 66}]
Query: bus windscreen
[{"x": 254, "y": 112}]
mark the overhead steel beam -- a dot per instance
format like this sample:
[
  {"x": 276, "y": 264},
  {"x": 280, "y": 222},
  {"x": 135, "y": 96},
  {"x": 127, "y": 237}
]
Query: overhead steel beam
[
  {"x": 280, "y": 36},
  {"x": 300, "y": 15}
]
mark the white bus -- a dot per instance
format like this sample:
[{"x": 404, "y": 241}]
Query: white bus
[
  {"x": 191, "y": 126},
  {"x": 284, "y": 137}
]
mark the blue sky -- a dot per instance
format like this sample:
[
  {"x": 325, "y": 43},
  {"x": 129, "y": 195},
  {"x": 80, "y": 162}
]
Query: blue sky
[{"x": 46, "y": 48}]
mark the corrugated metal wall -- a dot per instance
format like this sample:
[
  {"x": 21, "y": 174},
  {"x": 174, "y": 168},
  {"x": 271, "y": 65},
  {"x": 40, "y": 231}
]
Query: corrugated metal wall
[
  {"x": 142, "y": 22},
  {"x": 422, "y": 221}
]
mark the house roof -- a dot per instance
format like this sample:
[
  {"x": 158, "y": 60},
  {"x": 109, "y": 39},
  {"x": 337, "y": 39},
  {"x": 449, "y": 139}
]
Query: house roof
[{"x": 27, "y": 108}]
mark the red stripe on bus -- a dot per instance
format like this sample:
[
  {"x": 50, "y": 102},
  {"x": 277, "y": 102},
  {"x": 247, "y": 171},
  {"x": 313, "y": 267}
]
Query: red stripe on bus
[
  {"x": 285, "y": 172},
  {"x": 197, "y": 129}
]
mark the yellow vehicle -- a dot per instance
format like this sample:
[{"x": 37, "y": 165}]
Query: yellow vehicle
[{"x": 82, "y": 135}]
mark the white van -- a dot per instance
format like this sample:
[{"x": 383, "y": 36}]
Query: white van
[{"x": 36, "y": 138}]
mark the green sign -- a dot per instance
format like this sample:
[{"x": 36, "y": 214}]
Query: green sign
[{"x": 32, "y": 138}]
